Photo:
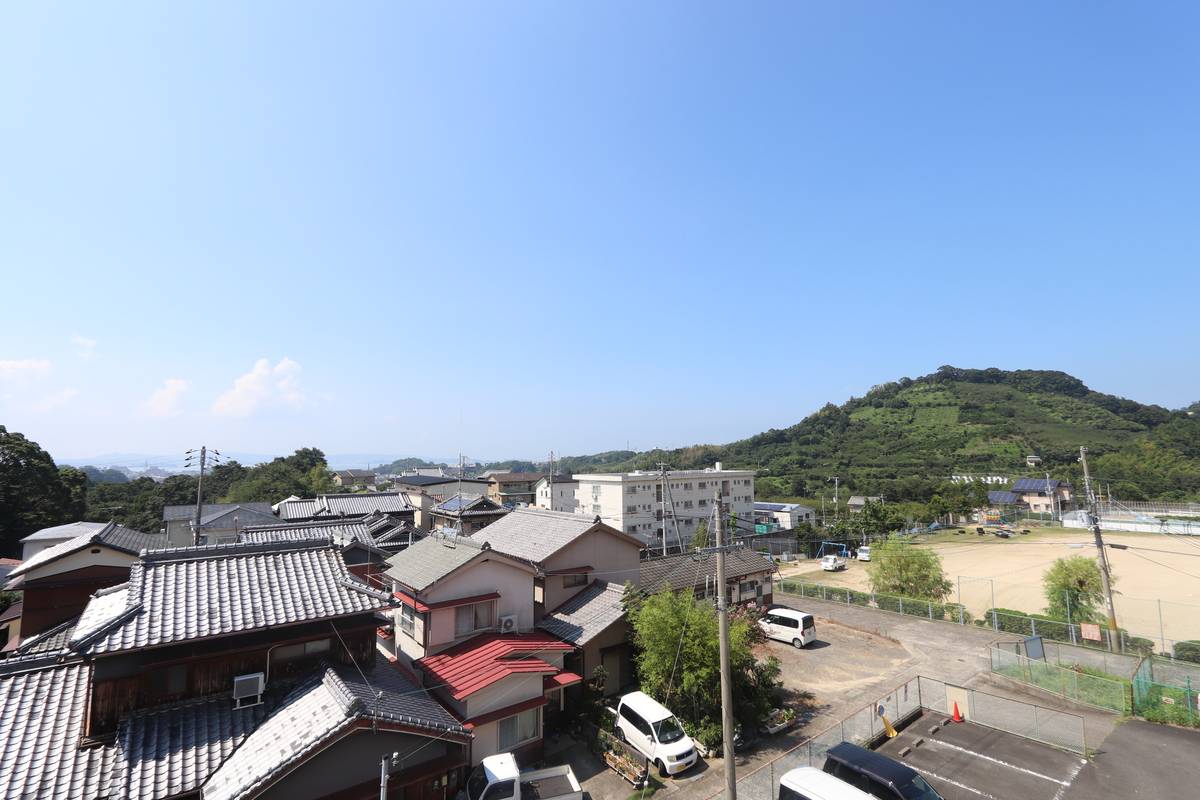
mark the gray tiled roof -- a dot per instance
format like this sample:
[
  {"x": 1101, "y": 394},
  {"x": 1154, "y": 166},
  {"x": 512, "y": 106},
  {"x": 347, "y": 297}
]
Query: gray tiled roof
[
  {"x": 41, "y": 720},
  {"x": 535, "y": 534},
  {"x": 343, "y": 534},
  {"x": 68, "y": 531},
  {"x": 318, "y": 710},
  {"x": 468, "y": 506},
  {"x": 685, "y": 572},
  {"x": 239, "y": 517},
  {"x": 345, "y": 505},
  {"x": 167, "y": 752},
  {"x": 587, "y": 614},
  {"x": 112, "y": 535},
  {"x": 52, "y": 641},
  {"x": 297, "y": 508},
  {"x": 171, "y": 513},
  {"x": 433, "y": 558},
  {"x": 191, "y": 593}
]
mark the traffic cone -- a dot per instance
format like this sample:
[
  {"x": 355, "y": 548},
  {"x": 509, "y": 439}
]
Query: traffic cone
[{"x": 958, "y": 717}]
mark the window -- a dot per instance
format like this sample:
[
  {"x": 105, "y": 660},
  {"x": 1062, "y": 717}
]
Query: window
[
  {"x": 570, "y": 581},
  {"x": 408, "y": 620},
  {"x": 474, "y": 617},
  {"x": 499, "y": 790},
  {"x": 746, "y": 587},
  {"x": 702, "y": 503},
  {"x": 522, "y": 728},
  {"x": 788, "y": 793},
  {"x": 701, "y": 485},
  {"x": 292, "y": 652},
  {"x": 631, "y": 509}
]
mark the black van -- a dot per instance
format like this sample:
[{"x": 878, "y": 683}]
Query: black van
[{"x": 876, "y": 774}]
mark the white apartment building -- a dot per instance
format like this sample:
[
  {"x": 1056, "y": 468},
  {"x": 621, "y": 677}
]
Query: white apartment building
[
  {"x": 564, "y": 491},
  {"x": 633, "y": 501}
]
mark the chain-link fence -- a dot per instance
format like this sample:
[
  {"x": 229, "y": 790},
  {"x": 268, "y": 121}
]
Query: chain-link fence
[
  {"x": 1167, "y": 691},
  {"x": 1076, "y": 683},
  {"x": 1000, "y": 620},
  {"x": 865, "y": 727}
]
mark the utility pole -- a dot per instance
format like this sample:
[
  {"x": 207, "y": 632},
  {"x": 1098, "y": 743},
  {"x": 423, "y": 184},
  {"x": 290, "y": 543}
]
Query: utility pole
[
  {"x": 662, "y": 502},
  {"x": 189, "y": 460},
  {"x": 1094, "y": 518},
  {"x": 549, "y": 481},
  {"x": 727, "y": 728},
  {"x": 836, "y": 510}
]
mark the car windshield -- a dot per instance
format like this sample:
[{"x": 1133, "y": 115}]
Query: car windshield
[
  {"x": 476, "y": 783},
  {"x": 667, "y": 731},
  {"x": 918, "y": 789}
]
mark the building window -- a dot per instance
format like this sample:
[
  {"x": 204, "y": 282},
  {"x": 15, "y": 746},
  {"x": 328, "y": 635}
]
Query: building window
[
  {"x": 703, "y": 503},
  {"x": 294, "y": 652},
  {"x": 746, "y": 587},
  {"x": 631, "y": 509},
  {"x": 475, "y": 617},
  {"x": 408, "y": 621},
  {"x": 516, "y": 731},
  {"x": 571, "y": 581}
]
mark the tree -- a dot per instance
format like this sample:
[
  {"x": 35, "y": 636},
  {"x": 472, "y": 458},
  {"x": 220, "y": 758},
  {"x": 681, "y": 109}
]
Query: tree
[
  {"x": 677, "y": 646},
  {"x": 75, "y": 483},
  {"x": 32, "y": 494},
  {"x": 700, "y": 540},
  {"x": 899, "y": 567},
  {"x": 1074, "y": 589}
]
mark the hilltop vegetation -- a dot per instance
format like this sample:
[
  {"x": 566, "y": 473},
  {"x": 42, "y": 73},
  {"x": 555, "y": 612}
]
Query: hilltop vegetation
[{"x": 905, "y": 438}]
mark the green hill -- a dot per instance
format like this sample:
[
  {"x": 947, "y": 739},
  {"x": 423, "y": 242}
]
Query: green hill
[{"x": 903, "y": 439}]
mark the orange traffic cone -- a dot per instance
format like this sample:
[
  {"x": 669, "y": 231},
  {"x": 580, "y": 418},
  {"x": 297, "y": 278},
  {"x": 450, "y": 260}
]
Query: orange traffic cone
[{"x": 958, "y": 717}]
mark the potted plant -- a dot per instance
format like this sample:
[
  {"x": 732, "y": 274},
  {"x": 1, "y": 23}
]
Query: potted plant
[{"x": 779, "y": 719}]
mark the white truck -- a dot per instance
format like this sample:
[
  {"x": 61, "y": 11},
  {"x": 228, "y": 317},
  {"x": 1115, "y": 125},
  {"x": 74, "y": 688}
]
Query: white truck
[
  {"x": 497, "y": 778},
  {"x": 832, "y": 563}
]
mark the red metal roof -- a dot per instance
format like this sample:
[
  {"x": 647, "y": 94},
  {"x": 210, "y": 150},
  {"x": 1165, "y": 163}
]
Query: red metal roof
[
  {"x": 480, "y": 662},
  {"x": 560, "y": 680},
  {"x": 409, "y": 600}
]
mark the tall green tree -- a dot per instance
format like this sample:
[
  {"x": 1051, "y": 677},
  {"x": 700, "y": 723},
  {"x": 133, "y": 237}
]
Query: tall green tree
[
  {"x": 900, "y": 567},
  {"x": 677, "y": 657},
  {"x": 32, "y": 494},
  {"x": 700, "y": 540},
  {"x": 1074, "y": 589},
  {"x": 75, "y": 483}
]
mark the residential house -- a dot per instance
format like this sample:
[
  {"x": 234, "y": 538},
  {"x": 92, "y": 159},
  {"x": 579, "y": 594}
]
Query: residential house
[
  {"x": 858, "y": 502},
  {"x": 354, "y": 477},
  {"x": 634, "y": 502},
  {"x": 441, "y": 486},
  {"x": 466, "y": 624},
  {"x": 353, "y": 538},
  {"x": 57, "y": 583},
  {"x": 397, "y": 505},
  {"x": 582, "y": 566},
  {"x": 465, "y": 514},
  {"x": 227, "y": 672},
  {"x": 48, "y": 537},
  {"x": 747, "y": 575},
  {"x": 557, "y": 493},
  {"x": 219, "y": 522},
  {"x": 1044, "y": 495},
  {"x": 512, "y": 489},
  {"x": 785, "y": 515},
  {"x": 1003, "y": 497}
]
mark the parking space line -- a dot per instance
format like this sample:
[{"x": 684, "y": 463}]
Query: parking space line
[
  {"x": 998, "y": 761},
  {"x": 1071, "y": 779},
  {"x": 971, "y": 789}
]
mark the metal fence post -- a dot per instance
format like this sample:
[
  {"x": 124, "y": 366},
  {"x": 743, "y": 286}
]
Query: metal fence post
[
  {"x": 823, "y": 597},
  {"x": 960, "y": 615},
  {"x": 1033, "y": 626},
  {"x": 1161, "y": 632},
  {"x": 929, "y": 606}
]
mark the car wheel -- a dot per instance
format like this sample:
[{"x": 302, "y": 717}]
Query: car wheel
[
  {"x": 662, "y": 769},
  {"x": 798, "y": 644}
]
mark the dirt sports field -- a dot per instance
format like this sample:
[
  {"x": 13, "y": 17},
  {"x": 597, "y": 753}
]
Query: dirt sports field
[{"x": 1165, "y": 568}]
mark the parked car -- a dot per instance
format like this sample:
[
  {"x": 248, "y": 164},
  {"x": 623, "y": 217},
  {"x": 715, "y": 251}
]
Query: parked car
[
  {"x": 810, "y": 783},
  {"x": 788, "y": 625},
  {"x": 876, "y": 774},
  {"x": 651, "y": 729},
  {"x": 497, "y": 778},
  {"x": 864, "y": 553},
  {"x": 832, "y": 563}
]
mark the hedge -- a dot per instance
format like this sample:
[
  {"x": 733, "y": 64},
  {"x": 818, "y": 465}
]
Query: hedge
[{"x": 1188, "y": 651}]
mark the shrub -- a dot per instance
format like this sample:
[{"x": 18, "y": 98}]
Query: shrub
[
  {"x": 1138, "y": 645},
  {"x": 1188, "y": 651}
]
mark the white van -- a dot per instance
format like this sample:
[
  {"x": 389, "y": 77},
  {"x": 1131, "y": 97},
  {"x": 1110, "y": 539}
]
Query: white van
[
  {"x": 810, "y": 783},
  {"x": 864, "y": 553},
  {"x": 789, "y": 625},
  {"x": 649, "y": 727}
]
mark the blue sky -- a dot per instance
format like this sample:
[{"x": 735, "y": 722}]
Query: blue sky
[{"x": 502, "y": 228}]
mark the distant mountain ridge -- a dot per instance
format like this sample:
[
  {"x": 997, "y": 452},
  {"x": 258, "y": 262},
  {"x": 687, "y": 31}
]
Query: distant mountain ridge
[{"x": 905, "y": 437}]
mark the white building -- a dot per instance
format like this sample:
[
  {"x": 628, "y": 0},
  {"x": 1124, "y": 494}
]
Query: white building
[
  {"x": 565, "y": 498},
  {"x": 633, "y": 502},
  {"x": 785, "y": 515}
]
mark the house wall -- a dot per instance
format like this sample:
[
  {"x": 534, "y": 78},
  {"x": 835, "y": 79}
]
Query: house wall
[
  {"x": 514, "y": 584},
  {"x": 352, "y": 760},
  {"x": 94, "y": 556},
  {"x": 30, "y": 549},
  {"x": 612, "y": 558},
  {"x": 487, "y": 742},
  {"x": 615, "y": 637},
  {"x": 61, "y": 596},
  {"x": 564, "y": 496},
  {"x": 510, "y": 691}
]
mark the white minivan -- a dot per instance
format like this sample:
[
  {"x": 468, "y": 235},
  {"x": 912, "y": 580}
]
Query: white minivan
[
  {"x": 649, "y": 727},
  {"x": 789, "y": 625},
  {"x": 810, "y": 783}
]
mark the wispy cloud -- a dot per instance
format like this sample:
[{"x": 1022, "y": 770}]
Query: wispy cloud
[
  {"x": 84, "y": 347},
  {"x": 165, "y": 400},
  {"x": 21, "y": 372},
  {"x": 57, "y": 400},
  {"x": 263, "y": 386}
]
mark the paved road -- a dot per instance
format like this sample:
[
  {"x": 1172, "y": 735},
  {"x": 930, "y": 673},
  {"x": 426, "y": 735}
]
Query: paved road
[{"x": 1142, "y": 760}]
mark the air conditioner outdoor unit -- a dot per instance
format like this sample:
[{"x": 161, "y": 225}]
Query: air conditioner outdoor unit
[
  {"x": 508, "y": 623},
  {"x": 248, "y": 689}
]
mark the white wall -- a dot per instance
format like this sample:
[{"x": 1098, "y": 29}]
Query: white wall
[
  {"x": 82, "y": 559},
  {"x": 611, "y": 558}
]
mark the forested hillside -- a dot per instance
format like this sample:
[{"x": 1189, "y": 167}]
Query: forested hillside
[{"x": 905, "y": 438}]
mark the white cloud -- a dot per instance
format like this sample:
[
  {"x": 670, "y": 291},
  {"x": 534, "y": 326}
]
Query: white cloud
[
  {"x": 84, "y": 347},
  {"x": 56, "y": 400},
  {"x": 265, "y": 385},
  {"x": 24, "y": 371},
  {"x": 165, "y": 400}
]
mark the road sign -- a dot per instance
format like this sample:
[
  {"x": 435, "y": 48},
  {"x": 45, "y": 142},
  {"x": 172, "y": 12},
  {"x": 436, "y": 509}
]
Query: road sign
[{"x": 1089, "y": 630}]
